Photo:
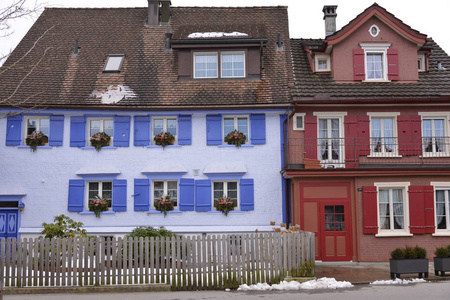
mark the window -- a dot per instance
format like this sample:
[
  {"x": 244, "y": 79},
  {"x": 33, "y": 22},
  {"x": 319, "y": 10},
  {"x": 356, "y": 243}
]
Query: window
[
  {"x": 232, "y": 64},
  {"x": 162, "y": 188},
  {"x": 239, "y": 123},
  {"x": 100, "y": 189},
  {"x": 168, "y": 124},
  {"x": 442, "y": 209},
  {"x": 421, "y": 63},
  {"x": 322, "y": 62},
  {"x": 383, "y": 141},
  {"x": 329, "y": 140},
  {"x": 375, "y": 61},
  {"x": 375, "y": 66},
  {"x": 334, "y": 218},
  {"x": 96, "y": 125},
  {"x": 114, "y": 63},
  {"x": 33, "y": 124},
  {"x": 433, "y": 133},
  {"x": 225, "y": 189},
  {"x": 391, "y": 209},
  {"x": 374, "y": 30},
  {"x": 299, "y": 121}
]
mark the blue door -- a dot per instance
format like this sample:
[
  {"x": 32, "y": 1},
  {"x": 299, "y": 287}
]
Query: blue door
[{"x": 8, "y": 223}]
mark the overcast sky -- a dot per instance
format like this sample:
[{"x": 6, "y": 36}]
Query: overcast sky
[{"x": 305, "y": 17}]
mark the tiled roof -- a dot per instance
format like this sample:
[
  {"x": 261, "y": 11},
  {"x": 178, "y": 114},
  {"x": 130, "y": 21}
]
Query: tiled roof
[
  {"x": 434, "y": 83},
  {"x": 149, "y": 74}
]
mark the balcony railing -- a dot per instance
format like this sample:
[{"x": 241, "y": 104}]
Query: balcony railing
[{"x": 380, "y": 152}]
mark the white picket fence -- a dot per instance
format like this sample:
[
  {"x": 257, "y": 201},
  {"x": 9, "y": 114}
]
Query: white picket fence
[{"x": 198, "y": 262}]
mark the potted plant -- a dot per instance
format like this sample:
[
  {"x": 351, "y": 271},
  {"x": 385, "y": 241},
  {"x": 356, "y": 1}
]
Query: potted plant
[
  {"x": 224, "y": 204},
  {"x": 98, "y": 205},
  {"x": 164, "y": 204},
  {"x": 164, "y": 138},
  {"x": 235, "y": 138},
  {"x": 409, "y": 260},
  {"x": 99, "y": 140},
  {"x": 441, "y": 260},
  {"x": 36, "y": 138}
]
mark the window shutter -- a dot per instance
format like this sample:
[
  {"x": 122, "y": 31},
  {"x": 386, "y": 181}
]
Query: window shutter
[
  {"x": 428, "y": 195},
  {"x": 184, "y": 130},
  {"x": 311, "y": 137},
  {"x": 351, "y": 133},
  {"x": 119, "y": 197},
  {"x": 76, "y": 195},
  {"x": 141, "y": 194},
  {"x": 214, "y": 130},
  {"x": 370, "y": 208},
  {"x": 203, "y": 193},
  {"x": 258, "y": 129},
  {"x": 77, "y": 132},
  {"x": 141, "y": 130},
  {"x": 416, "y": 210},
  {"x": 14, "y": 130},
  {"x": 363, "y": 141},
  {"x": 246, "y": 194},
  {"x": 409, "y": 135},
  {"x": 121, "y": 131},
  {"x": 392, "y": 58},
  {"x": 416, "y": 135},
  {"x": 358, "y": 64},
  {"x": 186, "y": 197},
  {"x": 56, "y": 131}
]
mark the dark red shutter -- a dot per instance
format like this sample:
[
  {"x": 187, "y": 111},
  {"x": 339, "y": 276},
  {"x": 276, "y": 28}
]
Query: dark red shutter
[
  {"x": 363, "y": 141},
  {"x": 392, "y": 58},
  {"x": 428, "y": 195},
  {"x": 351, "y": 134},
  {"x": 358, "y": 64},
  {"x": 311, "y": 137},
  {"x": 416, "y": 134},
  {"x": 370, "y": 208},
  {"x": 416, "y": 210},
  {"x": 409, "y": 135}
]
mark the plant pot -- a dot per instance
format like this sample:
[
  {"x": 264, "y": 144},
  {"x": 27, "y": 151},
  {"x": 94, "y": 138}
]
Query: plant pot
[
  {"x": 442, "y": 265},
  {"x": 312, "y": 163},
  {"x": 408, "y": 266}
]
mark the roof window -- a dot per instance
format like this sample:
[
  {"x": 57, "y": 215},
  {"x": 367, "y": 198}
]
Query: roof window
[{"x": 114, "y": 63}]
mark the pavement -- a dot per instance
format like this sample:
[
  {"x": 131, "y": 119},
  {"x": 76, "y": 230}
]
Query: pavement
[{"x": 366, "y": 272}]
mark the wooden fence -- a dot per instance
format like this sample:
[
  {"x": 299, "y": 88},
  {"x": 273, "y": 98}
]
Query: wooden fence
[{"x": 186, "y": 263}]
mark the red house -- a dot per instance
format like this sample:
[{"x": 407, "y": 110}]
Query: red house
[{"x": 367, "y": 152}]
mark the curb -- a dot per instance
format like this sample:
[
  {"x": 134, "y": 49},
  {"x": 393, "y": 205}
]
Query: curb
[{"x": 88, "y": 289}]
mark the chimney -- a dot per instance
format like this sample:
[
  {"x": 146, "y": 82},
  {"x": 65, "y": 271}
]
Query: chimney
[
  {"x": 168, "y": 35},
  {"x": 158, "y": 12},
  {"x": 329, "y": 15}
]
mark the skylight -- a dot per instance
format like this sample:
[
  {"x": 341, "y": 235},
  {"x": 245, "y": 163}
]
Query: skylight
[{"x": 114, "y": 63}]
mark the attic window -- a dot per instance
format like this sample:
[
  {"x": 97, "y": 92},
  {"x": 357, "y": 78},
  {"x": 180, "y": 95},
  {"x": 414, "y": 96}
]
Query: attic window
[
  {"x": 421, "y": 62},
  {"x": 374, "y": 30},
  {"x": 114, "y": 63},
  {"x": 322, "y": 63}
]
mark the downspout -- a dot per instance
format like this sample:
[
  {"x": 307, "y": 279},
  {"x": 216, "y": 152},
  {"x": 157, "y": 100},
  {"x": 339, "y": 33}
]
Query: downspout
[{"x": 289, "y": 112}]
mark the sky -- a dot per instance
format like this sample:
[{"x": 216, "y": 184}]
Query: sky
[{"x": 305, "y": 17}]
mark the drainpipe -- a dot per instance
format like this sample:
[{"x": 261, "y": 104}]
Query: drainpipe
[{"x": 289, "y": 112}]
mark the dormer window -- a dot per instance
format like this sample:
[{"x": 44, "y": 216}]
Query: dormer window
[
  {"x": 375, "y": 62},
  {"x": 421, "y": 63},
  {"x": 375, "y": 66},
  {"x": 114, "y": 63},
  {"x": 229, "y": 64},
  {"x": 322, "y": 63},
  {"x": 374, "y": 30}
]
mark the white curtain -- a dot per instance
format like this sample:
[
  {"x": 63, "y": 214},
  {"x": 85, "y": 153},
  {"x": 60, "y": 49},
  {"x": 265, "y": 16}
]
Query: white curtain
[
  {"x": 440, "y": 208},
  {"x": 388, "y": 133},
  {"x": 397, "y": 199},
  {"x": 335, "y": 153},
  {"x": 323, "y": 139},
  {"x": 376, "y": 135},
  {"x": 384, "y": 207}
]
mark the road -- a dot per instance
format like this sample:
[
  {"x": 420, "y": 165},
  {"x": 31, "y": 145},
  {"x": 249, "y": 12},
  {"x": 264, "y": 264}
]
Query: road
[{"x": 430, "y": 290}]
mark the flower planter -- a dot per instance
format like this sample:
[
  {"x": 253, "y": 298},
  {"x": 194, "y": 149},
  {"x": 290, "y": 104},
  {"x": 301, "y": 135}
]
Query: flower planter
[
  {"x": 312, "y": 163},
  {"x": 442, "y": 265},
  {"x": 408, "y": 266}
]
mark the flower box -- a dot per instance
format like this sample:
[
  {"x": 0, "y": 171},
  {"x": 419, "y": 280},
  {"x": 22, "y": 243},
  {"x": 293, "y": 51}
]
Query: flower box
[
  {"x": 408, "y": 266},
  {"x": 236, "y": 138},
  {"x": 36, "y": 138},
  {"x": 99, "y": 140},
  {"x": 312, "y": 163},
  {"x": 442, "y": 265},
  {"x": 164, "y": 139}
]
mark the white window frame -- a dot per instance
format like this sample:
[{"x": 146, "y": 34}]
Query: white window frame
[
  {"x": 232, "y": 53},
  {"x": 319, "y": 57},
  {"x": 38, "y": 127},
  {"x": 235, "y": 117},
  {"x": 164, "y": 127},
  {"x": 446, "y": 145},
  {"x": 295, "y": 124},
  {"x": 100, "y": 190},
  {"x": 333, "y": 115},
  {"x": 371, "y": 48},
  {"x": 385, "y": 115},
  {"x": 165, "y": 191},
  {"x": 421, "y": 61},
  {"x": 441, "y": 186},
  {"x": 108, "y": 65},
  {"x": 394, "y": 232},
  {"x": 377, "y": 28},
  {"x": 102, "y": 128},
  {"x": 216, "y": 54},
  {"x": 225, "y": 191}
]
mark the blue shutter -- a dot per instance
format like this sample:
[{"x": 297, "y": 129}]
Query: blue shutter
[
  {"x": 77, "y": 132},
  {"x": 258, "y": 129},
  {"x": 184, "y": 130},
  {"x": 247, "y": 194},
  {"x": 203, "y": 201},
  {"x": 119, "y": 197},
  {"x": 141, "y": 130},
  {"x": 186, "y": 197},
  {"x": 14, "y": 130},
  {"x": 141, "y": 194},
  {"x": 214, "y": 130},
  {"x": 76, "y": 195},
  {"x": 121, "y": 131},
  {"x": 56, "y": 131}
]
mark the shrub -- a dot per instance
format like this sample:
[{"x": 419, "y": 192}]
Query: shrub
[
  {"x": 420, "y": 252},
  {"x": 149, "y": 231},
  {"x": 63, "y": 227},
  {"x": 409, "y": 253},
  {"x": 398, "y": 253},
  {"x": 442, "y": 252}
]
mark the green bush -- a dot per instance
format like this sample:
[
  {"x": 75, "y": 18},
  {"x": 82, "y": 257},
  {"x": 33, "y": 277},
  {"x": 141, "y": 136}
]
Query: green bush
[
  {"x": 409, "y": 253},
  {"x": 442, "y": 252},
  {"x": 420, "y": 252},
  {"x": 398, "y": 253},
  {"x": 63, "y": 227},
  {"x": 150, "y": 231}
]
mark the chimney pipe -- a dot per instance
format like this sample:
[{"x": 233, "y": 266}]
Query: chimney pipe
[
  {"x": 329, "y": 15},
  {"x": 168, "y": 35},
  {"x": 153, "y": 13}
]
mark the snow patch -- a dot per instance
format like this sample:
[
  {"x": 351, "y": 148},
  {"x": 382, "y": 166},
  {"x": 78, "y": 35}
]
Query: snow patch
[
  {"x": 114, "y": 94},
  {"x": 321, "y": 283},
  {"x": 398, "y": 281},
  {"x": 195, "y": 35}
]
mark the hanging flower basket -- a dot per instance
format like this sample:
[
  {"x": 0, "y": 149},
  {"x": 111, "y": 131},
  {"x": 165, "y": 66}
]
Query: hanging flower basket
[
  {"x": 224, "y": 204},
  {"x": 98, "y": 205},
  {"x": 99, "y": 140},
  {"x": 164, "y": 204},
  {"x": 235, "y": 138},
  {"x": 164, "y": 139},
  {"x": 35, "y": 139}
]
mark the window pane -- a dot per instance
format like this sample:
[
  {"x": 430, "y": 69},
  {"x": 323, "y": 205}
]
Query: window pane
[
  {"x": 322, "y": 64},
  {"x": 158, "y": 189},
  {"x": 374, "y": 66},
  {"x": 172, "y": 126},
  {"x": 45, "y": 126},
  {"x": 218, "y": 190},
  {"x": 113, "y": 63},
  {"x": 94, "y": 127},
  {"x": 205, "y": 66},
  {"x": 427, "y": 131},
  {"x": 31, "y": 126},
  {"x": 243, "y": 126},
  {"x": 228, "y": 125},
  {"x": 158, "y": 126},
  {"x": 232, "y": 65},
  {"x": 108, "y": 127}
]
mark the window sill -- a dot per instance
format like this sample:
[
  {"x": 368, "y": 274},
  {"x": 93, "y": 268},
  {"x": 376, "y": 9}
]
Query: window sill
[
  {"x": 393, "y": 234},
  {"x": 154, "y": 212},
  {"x": 384, "y": 156},
  {"x": 93, "y": 148},
  {"x": 376, "y": 80},
  {"x": 443, "y": 233},
  {"x": 242, "y": 146},
  {"x": 168, "y": 146},
  {"x": 38, "y": 147},
  {"x": 87, "y": 212},
  {"x": 435, "y": 155},
  {"x": 234, "y": 212}
]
